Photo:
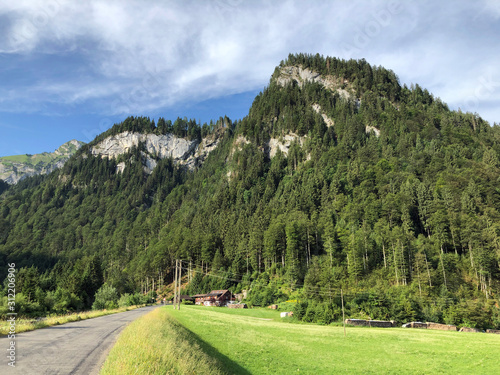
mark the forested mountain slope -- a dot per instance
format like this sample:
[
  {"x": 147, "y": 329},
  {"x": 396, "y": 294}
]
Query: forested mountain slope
[{"x": 339, "y": 177}]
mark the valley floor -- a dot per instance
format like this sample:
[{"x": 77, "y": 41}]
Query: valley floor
[{"x": 218, "y": 340}]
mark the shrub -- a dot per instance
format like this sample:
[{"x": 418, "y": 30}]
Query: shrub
[
  {"x": 63, "y": 300},
  {"x": 124, "y": 300},
  {"x": 300, "y": 310},
  {"x": 105, "y": 298},
  {"x": 310, "y": 314},
  {"x": 325, "y": 313}
]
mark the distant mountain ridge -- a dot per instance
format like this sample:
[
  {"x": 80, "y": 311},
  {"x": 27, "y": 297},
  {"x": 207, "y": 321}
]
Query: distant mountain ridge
[{"x": 17, "y": 167}]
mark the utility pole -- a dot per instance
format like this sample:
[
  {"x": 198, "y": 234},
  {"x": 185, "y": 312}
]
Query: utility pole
[
  {"x": 175, "y": 283},
  {"x": 179, "y": 283},
  {"x": 343, "y": 316}
]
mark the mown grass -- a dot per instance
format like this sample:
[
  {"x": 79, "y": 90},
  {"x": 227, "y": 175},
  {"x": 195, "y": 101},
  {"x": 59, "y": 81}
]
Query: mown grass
[
  {"x": 157, "y": 344},
  {"x": 247, "y": 342},
  {"x": 24, "y": 325}
]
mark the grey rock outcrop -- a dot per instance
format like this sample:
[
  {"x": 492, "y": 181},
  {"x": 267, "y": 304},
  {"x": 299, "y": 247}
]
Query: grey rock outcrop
[
  {"x": 161, "y": 146},
  {"x": 284, "y": 143},
  {"x": 328, "y": 121},
  {"x": 183, "y": 151},
  {"x": 303, "y": 75}
]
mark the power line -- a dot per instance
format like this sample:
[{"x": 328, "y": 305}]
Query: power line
[{"x": 318, "y": 290}]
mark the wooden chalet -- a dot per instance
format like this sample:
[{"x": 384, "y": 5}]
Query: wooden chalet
[
  {"x": 214, "y": 298},
  {"x": 199, "y": 299}
]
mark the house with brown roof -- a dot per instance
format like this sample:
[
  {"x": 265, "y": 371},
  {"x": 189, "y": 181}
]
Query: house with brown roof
[{"x": 214, "y": 298}]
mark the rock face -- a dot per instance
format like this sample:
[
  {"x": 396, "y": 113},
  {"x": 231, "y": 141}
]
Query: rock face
[
  {"x": 181, "y": 150},
  {"x": 369, "y": 129},
  {"x": 15, "y": 168},
  {"x": 328, "y": 121},
  {"x": 284, "y": 143},
  {"x": 162, "y": 146},
  {"x": 303, "y": 75},
  {"x": 203, "y": 149},
  {"x": 190, "y": 154}
]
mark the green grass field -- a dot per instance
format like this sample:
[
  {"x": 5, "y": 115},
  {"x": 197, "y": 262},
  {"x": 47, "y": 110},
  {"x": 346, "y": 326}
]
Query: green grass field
[{"x": 257, "y": 341}]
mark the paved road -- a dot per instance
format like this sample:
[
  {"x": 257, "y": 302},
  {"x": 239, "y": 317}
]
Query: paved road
[{"x": 73, "y": 348}]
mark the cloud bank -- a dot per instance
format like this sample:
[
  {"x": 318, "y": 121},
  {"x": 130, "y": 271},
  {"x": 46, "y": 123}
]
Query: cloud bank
[{"x": 114, "y": 57}]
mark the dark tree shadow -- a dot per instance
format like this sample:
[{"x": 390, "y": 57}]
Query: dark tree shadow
[{"x": 227, "y": 365}]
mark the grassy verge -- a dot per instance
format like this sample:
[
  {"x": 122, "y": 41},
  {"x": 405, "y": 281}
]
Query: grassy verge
[
  {"x": 258, "y": 342},
  {"x": 157, "y": 344},
  {"x": 24, "y": 325}
]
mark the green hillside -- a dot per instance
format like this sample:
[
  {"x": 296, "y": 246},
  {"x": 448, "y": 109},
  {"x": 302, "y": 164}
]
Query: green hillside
[
  {"x": 345, "y": 180},
  {"x": 16, "y": 167}
]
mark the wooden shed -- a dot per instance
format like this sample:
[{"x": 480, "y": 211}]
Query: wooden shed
[
  {"x": 469, "y": 329},
  {"x": 371, "y": 323}
]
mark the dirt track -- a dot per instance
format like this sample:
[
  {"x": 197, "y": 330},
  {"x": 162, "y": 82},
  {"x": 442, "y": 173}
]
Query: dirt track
[{"x": 73, "y": 348}]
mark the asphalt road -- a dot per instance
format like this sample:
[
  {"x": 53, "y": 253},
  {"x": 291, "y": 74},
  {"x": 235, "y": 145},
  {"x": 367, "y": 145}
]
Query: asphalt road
[{"x": 73, "y": 348}]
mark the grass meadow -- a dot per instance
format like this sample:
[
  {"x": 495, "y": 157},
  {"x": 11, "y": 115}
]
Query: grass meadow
[{"x": 206, "y": 340}]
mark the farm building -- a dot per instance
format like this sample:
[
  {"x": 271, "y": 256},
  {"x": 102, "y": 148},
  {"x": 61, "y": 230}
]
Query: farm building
[
  {"x": 214, "y": 298},
  {"x": 441, "y": 327},
  {"x": 184, "y": 297},
  {"x": 371, "y": 323}
]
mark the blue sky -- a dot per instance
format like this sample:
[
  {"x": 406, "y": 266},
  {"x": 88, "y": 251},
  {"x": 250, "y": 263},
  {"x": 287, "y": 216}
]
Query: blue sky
[{"x": 69, "y": 70}]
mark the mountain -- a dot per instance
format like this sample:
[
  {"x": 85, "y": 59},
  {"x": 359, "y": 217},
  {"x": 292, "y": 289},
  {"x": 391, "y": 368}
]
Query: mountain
[
  {"x": 17, "y": 167},
  {"x": 339, "y": 178}
]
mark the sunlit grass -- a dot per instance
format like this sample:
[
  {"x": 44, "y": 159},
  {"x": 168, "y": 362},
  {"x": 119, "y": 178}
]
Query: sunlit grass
[
  {"x": 255, "y": 341},
  {"x": 157, "y": 344},
  {"x": 24, "y": 325}
]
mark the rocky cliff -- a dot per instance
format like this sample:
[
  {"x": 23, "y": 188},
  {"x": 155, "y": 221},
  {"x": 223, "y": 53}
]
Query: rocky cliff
[
  {"x": 15, "y": 168},
  {"x": 181, "y": 150},
  {"x": 303, "y": 75}
]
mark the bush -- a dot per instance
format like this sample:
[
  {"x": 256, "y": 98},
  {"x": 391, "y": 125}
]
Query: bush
[
  {"x": 325, "y": 313},
  {"x": 150, "y": 297},
  {"x": 23, "y": 307},
  {"x": 131, "y": 300},
  {"x": 105, "y": 298},
  {"x": 300, "y": 310},
  {"x": 62, "y": 300},
  {"x": 124, "y": 300},
  {"x": 496, "y": 316}
]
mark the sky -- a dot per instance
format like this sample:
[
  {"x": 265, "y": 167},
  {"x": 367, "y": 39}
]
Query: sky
[{"x": 70, "y": 70}]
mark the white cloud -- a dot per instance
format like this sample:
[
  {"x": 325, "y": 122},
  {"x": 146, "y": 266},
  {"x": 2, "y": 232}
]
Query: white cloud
[
  {"x": 491, "y": 7},
  {"x": 133, "y": 56}
]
